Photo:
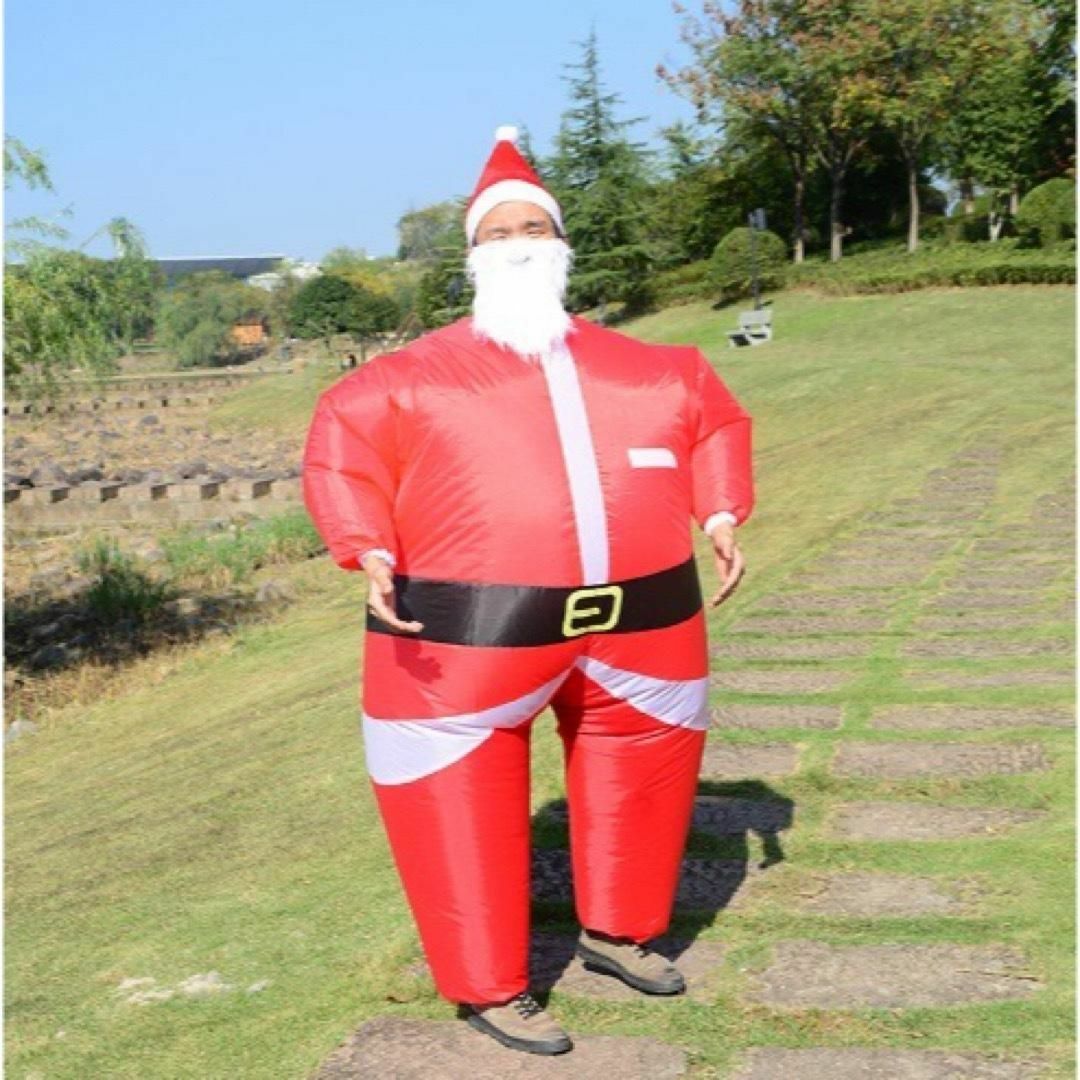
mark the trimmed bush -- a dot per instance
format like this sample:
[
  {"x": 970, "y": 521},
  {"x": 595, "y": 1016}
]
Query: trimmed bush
[
  {"x": 684, "y": 284},
  {"x": 1048, "y": 213},
  {"x": 730, "y": 265}
]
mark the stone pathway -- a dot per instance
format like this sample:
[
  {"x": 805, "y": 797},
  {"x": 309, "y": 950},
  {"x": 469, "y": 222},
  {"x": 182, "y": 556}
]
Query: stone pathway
[{"x": 867, "y": 596}]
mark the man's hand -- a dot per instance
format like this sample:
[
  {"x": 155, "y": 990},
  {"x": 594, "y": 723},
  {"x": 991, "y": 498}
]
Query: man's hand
[
  {"x": 729, "y": 560},
  {"x": 381, "y": 594}
]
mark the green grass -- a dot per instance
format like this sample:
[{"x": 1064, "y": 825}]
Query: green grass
[{"x": 217, "y": 816}]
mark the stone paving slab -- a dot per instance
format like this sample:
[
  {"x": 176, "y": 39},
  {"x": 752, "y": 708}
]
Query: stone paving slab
[
  {"x": 807, "y": 601},
  {"x": 704, "y": 885},
  {"x": 743, "y": 761},
  {"x": 775, "y": 1063},
  {"x": 833, "y": 577},
  {"x": 969, "y": 717},
  {"x": 804, "y": 649},
  {"x": 996, "y": 577},
  {"x": 978, "y": 620},
  {"x": 901, "y": 761},
  {"x": 1006, "y": 599},
  {"x": 554, "y": 965},
  {"x": 763, "y": 717},
  {"x": 810, "y": 974},
  {"x": 722, "y": 815},
  {"x": 811, "y": 624},
  {"x": 963, "y": 679},
  {"x": 396, "y": 1048},
  {"x": 878, "y": 896},
  {"x": 782, "y": 680},
  {"x": 988, "y": 648},
  {"x": 925, "y": 821}
]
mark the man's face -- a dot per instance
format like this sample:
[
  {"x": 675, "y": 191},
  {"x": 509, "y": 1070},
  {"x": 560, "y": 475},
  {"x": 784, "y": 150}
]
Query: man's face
[{"x": 511, "y": 220}]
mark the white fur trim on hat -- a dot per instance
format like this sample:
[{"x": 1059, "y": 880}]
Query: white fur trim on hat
[
  {"x": 510, "y": 191},
  {"x": 507, "y": 132}
]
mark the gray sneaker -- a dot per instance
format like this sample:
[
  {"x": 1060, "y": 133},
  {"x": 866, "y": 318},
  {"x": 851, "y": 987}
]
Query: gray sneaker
[
  {"x": 637, "y": 965},
  {"x": 520, "y": 1023}
]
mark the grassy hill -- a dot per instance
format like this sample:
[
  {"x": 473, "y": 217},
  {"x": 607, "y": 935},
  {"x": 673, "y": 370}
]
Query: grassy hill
[{"x": 213, "y": 813}]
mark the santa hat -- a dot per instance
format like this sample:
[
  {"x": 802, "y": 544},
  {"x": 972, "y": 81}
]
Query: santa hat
[{"x": 508, "y": 177}]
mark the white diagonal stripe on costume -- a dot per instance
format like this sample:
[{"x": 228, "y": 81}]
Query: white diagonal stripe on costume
[
  {"x": 679, "y": 702},
  {"x": 579, "y": 456},
  {"x": 399, "y": 751}
]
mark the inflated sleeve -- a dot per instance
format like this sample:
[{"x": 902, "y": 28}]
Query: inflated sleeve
[
  {"x": 721, "y": 468},
  {"x": 350, "y": 467}
]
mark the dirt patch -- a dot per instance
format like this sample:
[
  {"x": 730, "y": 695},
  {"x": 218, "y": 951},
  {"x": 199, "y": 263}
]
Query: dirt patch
[
  {"x": 774, "y": 1063},
  {"x": 392, "y": 1046},
  {"x": 879, "y": 896},
  {"x": 728, "y": 761},
  {"x": 763, "y": 717},
  {"x": 809, "y": 974},
  {"x": 806, "y": 649},
  {"x": 781, "y": 681},
  {"x": 924, "y": 821},
  {"x": 901, "y": 761},
  {"x": 968, "y": 718}
]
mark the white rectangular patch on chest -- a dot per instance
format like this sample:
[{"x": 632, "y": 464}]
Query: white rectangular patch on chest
[{"x": 651, "y": 457}]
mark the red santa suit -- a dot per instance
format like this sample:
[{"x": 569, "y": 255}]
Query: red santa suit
[{"x": 539, "y": 516}]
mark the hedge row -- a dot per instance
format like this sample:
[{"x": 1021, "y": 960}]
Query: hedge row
[{"x": 893, "y": 270}]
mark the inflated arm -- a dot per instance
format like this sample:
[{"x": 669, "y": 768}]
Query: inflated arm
[
  {"x": 721, "y": 467},
  {"x": 349, "y": 476}
]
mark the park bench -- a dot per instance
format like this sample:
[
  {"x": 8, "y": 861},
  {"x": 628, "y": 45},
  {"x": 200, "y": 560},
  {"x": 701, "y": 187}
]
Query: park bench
[{"x": 755, "y": 328}]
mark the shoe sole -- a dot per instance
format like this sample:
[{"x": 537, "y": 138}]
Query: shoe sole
[
  {"x": 604, "y": 965},
  {"x": 548, "y": 1049}
]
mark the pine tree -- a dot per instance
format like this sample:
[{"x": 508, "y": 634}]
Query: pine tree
[{"x": 600, "y": 178}]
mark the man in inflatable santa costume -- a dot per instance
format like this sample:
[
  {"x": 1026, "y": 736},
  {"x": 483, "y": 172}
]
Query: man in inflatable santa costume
[{"x": 519, "y": 487}]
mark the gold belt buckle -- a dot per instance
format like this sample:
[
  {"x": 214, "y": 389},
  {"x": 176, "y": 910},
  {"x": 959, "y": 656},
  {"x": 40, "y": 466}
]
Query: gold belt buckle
[{"x": 576, "y": 617}]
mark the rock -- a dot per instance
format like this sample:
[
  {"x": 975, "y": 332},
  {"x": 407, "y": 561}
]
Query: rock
[
  {"x": 274, "y": 591},
  {"x": 149, "y": 420},
  {"x": 201, "y": 985},
  {"x": 18, "y": 729}
]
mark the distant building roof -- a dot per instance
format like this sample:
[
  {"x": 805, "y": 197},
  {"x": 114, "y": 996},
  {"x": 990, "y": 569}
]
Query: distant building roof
[{"x": 239, "y": 266}]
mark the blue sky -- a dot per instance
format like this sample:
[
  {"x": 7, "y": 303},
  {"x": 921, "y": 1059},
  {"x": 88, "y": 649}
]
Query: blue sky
[{"x": 225, "y": 127}]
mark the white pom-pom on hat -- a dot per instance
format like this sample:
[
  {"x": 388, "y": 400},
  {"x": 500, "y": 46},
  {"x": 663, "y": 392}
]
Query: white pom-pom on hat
[{"x": 507, "y": 132}]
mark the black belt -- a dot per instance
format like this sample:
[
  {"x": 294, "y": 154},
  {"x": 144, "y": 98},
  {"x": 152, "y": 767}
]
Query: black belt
[{"x": 464, "y": 613}]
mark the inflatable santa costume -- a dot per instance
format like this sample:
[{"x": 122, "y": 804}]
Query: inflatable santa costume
[{"x": 537, "y": 512}]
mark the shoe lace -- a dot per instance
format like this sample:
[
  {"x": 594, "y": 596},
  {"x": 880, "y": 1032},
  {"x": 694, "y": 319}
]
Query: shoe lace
[{"x": 526, "y": 1005}]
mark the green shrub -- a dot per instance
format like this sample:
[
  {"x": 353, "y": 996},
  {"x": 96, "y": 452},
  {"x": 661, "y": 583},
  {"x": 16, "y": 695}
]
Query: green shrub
[
  {"x": 730, "y": 265},
  {"x": 1048, "y": 213},
  {"x": 683, "y": 284},
  {"x": 120, "y": 590},
  {"x": 230, "y": 557}
]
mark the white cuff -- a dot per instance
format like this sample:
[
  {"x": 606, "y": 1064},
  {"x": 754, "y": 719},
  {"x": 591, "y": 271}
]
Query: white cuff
[
  {"x": 381, "y": 552},
  {"x": 715, "y": 519}
]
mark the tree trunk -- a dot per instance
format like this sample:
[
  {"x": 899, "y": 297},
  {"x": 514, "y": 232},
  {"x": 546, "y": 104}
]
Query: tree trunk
[
  {"x": 1014, "y": 199},
  {"x": 836, "y": 227},
  {"x": 913, "y": 205},
  {"x": 800, "y": 217}
]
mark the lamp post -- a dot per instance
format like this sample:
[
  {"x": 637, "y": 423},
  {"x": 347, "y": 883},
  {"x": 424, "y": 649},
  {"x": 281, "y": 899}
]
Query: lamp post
[{"x": 756, "y": 220}]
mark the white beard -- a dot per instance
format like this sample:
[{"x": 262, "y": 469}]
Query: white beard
[{"x": 520, "y": 285}]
